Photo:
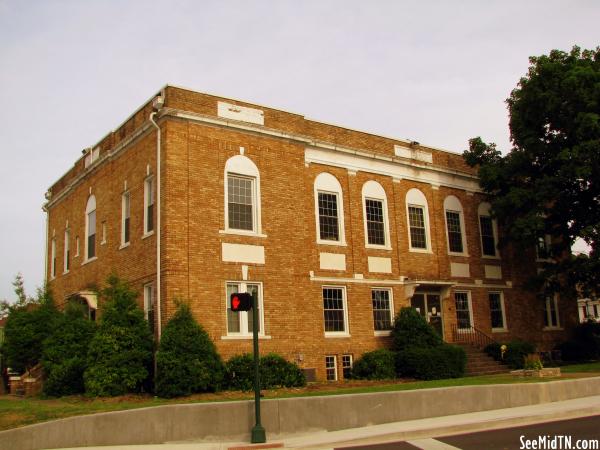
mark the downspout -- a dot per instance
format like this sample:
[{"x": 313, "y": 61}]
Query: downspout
[
  {"x": 45, "y": 209},
  {"x": 157, "y": 105}
]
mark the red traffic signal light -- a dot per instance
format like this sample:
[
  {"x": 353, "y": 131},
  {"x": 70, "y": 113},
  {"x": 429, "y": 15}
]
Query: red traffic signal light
[{"x": 241, "y": 301}]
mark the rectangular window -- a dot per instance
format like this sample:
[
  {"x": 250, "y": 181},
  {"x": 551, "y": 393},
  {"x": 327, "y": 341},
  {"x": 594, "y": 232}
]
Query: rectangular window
[
  {"x": 416, "y": 220},
  {"x": 488, "y": 241},
  {"x": 334, "y": 313},
  {"x": 240, "y": 204},
  {"x": 149, "y": 303},
  {"x": 91, "y": 238},
  {"x": 455, "y": 243},
  {"x": 463, "y": 310},
  {"x": 375, "y": 222},
  {"x": 125, "y": 218},
  {"x": 496, "y": 310},
  {"x": 382, "y": 309},
  {"x": 331, "y": 367},
  {"x": 53, "y": 258},
  {"x": 67, "y": 252},
  {"x": 242, "y": 322},
  {"x": 328, "y": 217},
  {"x": 543, "y": 247},
  {"x": 347, "y": 366},
  {"x": 149, "y": 205},
  {"x": 551, "y": 319}
]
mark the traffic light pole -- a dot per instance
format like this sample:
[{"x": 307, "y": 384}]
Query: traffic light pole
[{"x": 258, "y": 432}]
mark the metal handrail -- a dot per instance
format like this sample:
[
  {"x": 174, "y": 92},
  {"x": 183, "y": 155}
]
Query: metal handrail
[{"x": 471, "y": 335}]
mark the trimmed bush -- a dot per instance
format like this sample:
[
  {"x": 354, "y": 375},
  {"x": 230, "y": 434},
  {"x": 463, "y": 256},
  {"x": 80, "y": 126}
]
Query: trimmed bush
[
  {"x": 27, "y": 326},
  {"x": 275, "y": 372},
  {"x": 65, "y": 353},
  {"x": 434, "y": 363},
  {"x": 119, "y": 359},
  {"x": 587, "y": 334},
  {"x": 187, "y": 361},
  {"x": 411, "y": 329},
  {"x": 494, "y": 351},
  {"x": 515, "y": 353},
  {"x": 572, "y": 351},
  {"x": 375, "y": 365}
]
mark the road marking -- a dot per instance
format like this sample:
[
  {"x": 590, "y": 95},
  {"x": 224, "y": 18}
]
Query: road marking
[{"x": 431, "y": 444}]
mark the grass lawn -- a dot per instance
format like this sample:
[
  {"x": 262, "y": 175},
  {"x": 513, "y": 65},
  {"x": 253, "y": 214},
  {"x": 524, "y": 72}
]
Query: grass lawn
[{"x": 15, "y": 411}]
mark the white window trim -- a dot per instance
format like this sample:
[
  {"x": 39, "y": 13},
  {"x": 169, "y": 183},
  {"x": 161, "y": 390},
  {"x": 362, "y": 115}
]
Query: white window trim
[
  {"x": 416, "y": 198},
  {"x": 483, "y": 210},
  {"x": 335, "y": 367},
  {"x": 149, "y": 287},
  {"x": 391, "y": 296},
  {"x": 453, "y": 204},
  {"x": 548, "y": 242},
  {"x": 554, "y": 299},
  {"x": 351, "y": 362},
  {"x": 91, "y": 201},
  {"x": 504, "y": 329},
  {"x": 336, "y": 334},
  {"x": 244, "y": 333},
  {"x": 148, "y": 181},
  {"x": 328, "y": 184},
  {"x": 123, "y": 204},
  {"x": 76, "y": 247},
  {"x": 372, "y": 190},
  {"x": 242, "y": 166},
  {"x": 103, "y": 241},
  {"x": 53, "y": 259},
  {"x": 66, "y": 248},
  {"x": 471, "y": 323}
]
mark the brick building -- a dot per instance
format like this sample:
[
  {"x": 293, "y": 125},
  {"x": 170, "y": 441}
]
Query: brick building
[{"x": 334, "y": 230}]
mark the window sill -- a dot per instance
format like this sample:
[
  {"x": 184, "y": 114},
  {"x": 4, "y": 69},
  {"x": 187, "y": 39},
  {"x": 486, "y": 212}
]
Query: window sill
[
  {"x": 233, "y": 337},
  {"x": 464, "y": 330},
  {"x": 147, "y": 235},
  {"x": 545, "y": 260},
  {"x": 125, "y": 245},
  {"x": 65, "y": 272},
  {"x": 243, "y": 233},
  {"x": 335, "y": 243},
  {"x": 420, "y": 250},
  {"x": 497, "y": 258},
  {"x": 89, "y": 260},
  {"x": 378, "y": 247},
  {"x": 331, "y": 334},
  {"x": 383, "y": 333},
  {"x": 499, "y": 330},
  {"x": 552, "y": 329},
  {"x": 462, "y": 255}
]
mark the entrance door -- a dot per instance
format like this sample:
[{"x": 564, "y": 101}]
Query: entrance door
[{"x": 430, "y": 307}]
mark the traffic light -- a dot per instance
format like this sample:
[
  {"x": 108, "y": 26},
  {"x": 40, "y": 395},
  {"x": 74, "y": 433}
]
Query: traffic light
[{"x": 241, "y": 301}]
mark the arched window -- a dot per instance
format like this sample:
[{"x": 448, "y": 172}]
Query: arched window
[
  {"x": 242, "y": 196},
  {"x": 455, "y": 226},
  {"x": 418, "y": 221},
  {"x": 488, "y": 231},
  {"x": 329, "y": 210},
  {"x": 377, "y": 230},
  {"x": 90, "y": 228}
]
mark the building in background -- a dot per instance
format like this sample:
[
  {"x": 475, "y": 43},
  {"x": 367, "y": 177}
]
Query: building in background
[{"x": 332, "y": 230}]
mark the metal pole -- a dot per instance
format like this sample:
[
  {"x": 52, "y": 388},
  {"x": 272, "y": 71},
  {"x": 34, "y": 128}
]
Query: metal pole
[{"x": 258, "y": 432}]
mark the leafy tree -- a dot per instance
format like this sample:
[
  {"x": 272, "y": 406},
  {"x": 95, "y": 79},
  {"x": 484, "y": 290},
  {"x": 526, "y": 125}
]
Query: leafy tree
[
  {"x": 549, "y": 182},
  {"x": 119, "y": 358},
  {"x": 65, "y": 351},
  {"x": 411, "y": 329},
  {"x": 187, "y": 360},
  {"x": 30, "y": 321}
]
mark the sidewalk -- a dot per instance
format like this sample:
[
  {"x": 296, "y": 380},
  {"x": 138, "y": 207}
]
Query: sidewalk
[{"x": 408, "y": 430}]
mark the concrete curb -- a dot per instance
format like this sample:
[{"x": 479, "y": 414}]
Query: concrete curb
[{"x": 231, "y": 421}]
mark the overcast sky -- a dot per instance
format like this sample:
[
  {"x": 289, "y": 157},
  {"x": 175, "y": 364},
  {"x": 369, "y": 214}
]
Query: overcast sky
[{"x": 437, "y": 72}]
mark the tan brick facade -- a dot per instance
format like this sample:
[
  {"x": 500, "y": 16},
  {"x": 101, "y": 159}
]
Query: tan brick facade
[{"x": 289, "y": 152}]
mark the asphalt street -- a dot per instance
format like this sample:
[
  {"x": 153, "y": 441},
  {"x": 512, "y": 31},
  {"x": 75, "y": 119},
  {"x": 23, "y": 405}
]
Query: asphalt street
[{"x": 563, "y": 434}]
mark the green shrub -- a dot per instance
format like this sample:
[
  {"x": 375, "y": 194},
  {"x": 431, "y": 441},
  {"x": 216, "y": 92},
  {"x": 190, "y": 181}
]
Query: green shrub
[
  {"x": 65, "y": 352},
  {"x": 532, "y": 362},
  {"x": 187, "y": 361},
  {"x": 375, "y": 365},
  {"x": 27, "y": 327},
  {"x": 434, "y": 363},
  {"x": 119, "y": 358},
  {"x": 275, "y": 372},
  {"x": 587, "y": 334},
  {"x": 411, "y": 329},
  {"x": 573, "y": 351},
  {"x": 494, "y": 351},
  {"x": 515, "y": 353}
]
